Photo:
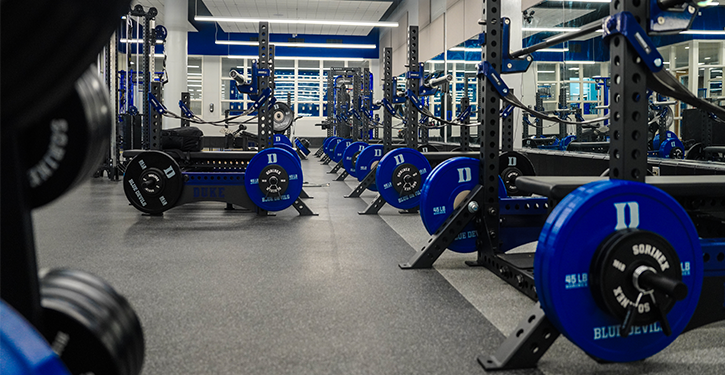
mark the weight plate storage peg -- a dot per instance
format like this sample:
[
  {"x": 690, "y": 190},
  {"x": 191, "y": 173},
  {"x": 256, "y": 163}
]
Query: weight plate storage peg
[
  {"x": 153, "y": 182},
  {"x": 349, "y": 157},
  {"x": 273, "y": 179},
  {"x": 281, "y": 138},
  {"x": 368, "y": 161},
  {"x": 330, "y": 147},
  {"x": 618, "y": 267},
  {"x": 512, "y": 165},
  {"x": 340, "y": 150},
  {"x": 91, "y": 326},
  {"x": 22, "y": 349},
  {"x": 64, "y": 147},
  {"x": 444, "y": 190},
  {"x": 400, "y": 176}
]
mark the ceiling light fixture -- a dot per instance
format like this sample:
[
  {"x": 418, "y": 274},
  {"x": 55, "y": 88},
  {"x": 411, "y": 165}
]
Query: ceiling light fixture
[
  {"x": 703, "y": 32},
  {"x": 554, "y": 50},
  {"x": 289, "y": 44},
  {"x": 138, "y": 41},
  {"x": 465, "y": 49},
  {"x": 302, "y": 58},
  {"x": 297, "y": 22}
]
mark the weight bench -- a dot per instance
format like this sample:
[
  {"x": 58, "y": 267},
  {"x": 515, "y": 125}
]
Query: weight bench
[
  {"x": 679, "y": 187},
  {"x": 200, "y": 155}
]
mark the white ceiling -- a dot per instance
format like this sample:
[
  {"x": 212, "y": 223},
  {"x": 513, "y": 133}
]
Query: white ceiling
[
  {"x": 302, "y": 9},
  {"x": 159, "y": 5}
]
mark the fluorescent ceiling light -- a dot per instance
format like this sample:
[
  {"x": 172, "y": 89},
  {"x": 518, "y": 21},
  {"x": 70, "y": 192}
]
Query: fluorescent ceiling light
[
  {"x": 573, "y": 68},
  {"x": 298, "y": 22},
  {"x": 546, "y": 71},
  {"x": 707, "y": 58},
  {"x": 703, "y": 32},
  {"x": 302, "y": 58},
  {"x": 687, "y": 47},
  {"x": 192, "y": 66},
  {"x": 554, "y": 50},
  {"x": 193, "y": 74},
  {"x": 138, "y": 41},
  {"x": 551, "y": 29},
  {"x": 288, "y": 44},
  {"x": 579, "y": 62}
]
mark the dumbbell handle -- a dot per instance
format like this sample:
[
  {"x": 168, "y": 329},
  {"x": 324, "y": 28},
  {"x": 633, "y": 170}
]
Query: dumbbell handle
[{"x": 648, "y": 279}]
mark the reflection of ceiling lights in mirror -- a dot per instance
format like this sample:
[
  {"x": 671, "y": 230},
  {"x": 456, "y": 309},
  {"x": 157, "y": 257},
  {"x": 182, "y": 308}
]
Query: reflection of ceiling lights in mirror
[
  {"x": 546, "y": 71},
  {"x": 554, "y": 50},
  {"x": 580, "y": 62},
  {"x": 573, "y": 68},
  {"x": 703, "y": 32},
  {"x": 304, "y": 58},
  {"x": 300, "y": 22},
  {"x": 137, "y": 41},
  {"x": 193, "y": 66},
  {"x": 301, "y": 45}
]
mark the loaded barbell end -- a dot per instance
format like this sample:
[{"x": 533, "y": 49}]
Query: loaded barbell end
[{"x": 646, "y": 278}]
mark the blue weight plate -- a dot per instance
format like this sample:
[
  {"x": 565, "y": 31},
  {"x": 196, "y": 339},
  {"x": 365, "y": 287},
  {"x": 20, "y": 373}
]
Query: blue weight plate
[
  {"x": 340, "y": 149},
  {"x": 330, "y": 148},
  {"x": 400, "y": 177},
  {"x": 367, "y": 161},
  {"x": 22, "y": 349},
  {"x": 351, "y": 154},
  {"x": 291, "y": 150},
  {"x": 672, "y": 148},
  {"x": 281, "y": 138},
  {"x": 285, "y": 166},
  {"x": 449, "y": 181},
  {"x": 326, "y": 141},
  {"x": 301, "y": 147},
  {"x": 568, "y": 243}
]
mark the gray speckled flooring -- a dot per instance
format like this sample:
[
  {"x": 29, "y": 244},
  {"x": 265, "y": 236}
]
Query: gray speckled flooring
[{"x": 222, "y": 292}]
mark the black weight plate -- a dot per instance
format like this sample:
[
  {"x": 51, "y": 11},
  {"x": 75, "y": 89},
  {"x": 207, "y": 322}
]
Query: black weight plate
[
  {"x": 66, "y": 146},
  {"x": 153, "y": 182},
  {"x": 427, "y": 148},
  {"x": 282, "y": 117},
  {"x": 101, "y": 292},
  {"x": 92, "y": 327},
  {"x": 67, "y": 36},
  {"x": 512, "y": 165}
]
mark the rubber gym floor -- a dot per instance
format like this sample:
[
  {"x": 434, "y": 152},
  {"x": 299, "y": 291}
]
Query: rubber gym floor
[{"x": 227, "y": 292}]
